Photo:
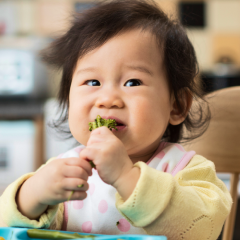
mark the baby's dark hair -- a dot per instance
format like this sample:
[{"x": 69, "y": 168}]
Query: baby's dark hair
[{"x": 94, "y": 27}]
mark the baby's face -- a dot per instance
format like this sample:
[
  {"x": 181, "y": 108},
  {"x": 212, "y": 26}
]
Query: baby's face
[{"x": 123, "y": 79}]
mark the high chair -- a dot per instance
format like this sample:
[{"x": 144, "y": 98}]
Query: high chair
[{"x": 221, "y": 143}]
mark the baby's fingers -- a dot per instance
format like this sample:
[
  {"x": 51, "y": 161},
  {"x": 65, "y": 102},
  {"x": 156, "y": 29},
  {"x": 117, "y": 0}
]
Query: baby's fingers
[
  {"x": 89, "y": 154},
  {"x": 80, "y": 163},
  {"x": 75, "y": 189},
  {"x": 75, "y": 195},
  {"x": 75, "y": 172},
  {"x": 75, "y": 184}
]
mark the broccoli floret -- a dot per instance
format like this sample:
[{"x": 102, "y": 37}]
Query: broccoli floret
[{"x": 100, "y": 122}]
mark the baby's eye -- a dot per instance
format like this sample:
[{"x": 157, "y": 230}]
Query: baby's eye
[
  {"x": 93, "y": 83},
  {"x": 133, "y": 83}
]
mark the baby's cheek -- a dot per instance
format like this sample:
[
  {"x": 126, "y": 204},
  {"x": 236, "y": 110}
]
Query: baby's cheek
[
  {"x": 79, "y": 131},
  {"x": 82, "y": 136}
]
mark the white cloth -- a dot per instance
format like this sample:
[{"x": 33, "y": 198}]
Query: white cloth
[{"x": 97, "y": 213}]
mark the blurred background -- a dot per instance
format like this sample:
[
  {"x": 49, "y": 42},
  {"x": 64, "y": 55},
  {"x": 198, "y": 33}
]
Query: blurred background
[{"x": 28, "y": 88}]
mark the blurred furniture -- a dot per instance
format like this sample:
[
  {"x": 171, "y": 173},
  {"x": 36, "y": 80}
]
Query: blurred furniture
[
  {"x": 221, "y": 143},
  {"x": 212, "y": 82},
  {"x": 25, "y": 109},
  {"x": 24, "y": 85}
]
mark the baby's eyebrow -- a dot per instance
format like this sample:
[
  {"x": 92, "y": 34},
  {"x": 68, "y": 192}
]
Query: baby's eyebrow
[
  {"x": 134, "y": 67},
  {"x": 88, "y": 69},
  {"x": 140, "y": 68}
]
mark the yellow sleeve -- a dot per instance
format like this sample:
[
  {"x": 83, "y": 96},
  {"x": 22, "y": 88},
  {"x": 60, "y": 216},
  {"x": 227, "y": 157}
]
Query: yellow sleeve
[
  {"x": 192, "y": 205},
  {"x": 11, "y": 217}
]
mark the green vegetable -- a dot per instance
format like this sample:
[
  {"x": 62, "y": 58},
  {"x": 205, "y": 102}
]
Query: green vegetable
[
  {"x": 100, "y": 122},
  {"x": 79, "y": 186},
  {"x": 92, "y": 164},
  {"x": 44, "y": 234}
]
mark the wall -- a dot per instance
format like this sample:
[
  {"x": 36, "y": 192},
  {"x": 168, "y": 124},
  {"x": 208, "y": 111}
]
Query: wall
[{"x": 50, "y": 18}]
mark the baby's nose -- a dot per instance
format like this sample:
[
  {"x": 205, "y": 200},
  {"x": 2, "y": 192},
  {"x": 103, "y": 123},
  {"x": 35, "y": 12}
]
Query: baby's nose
[{"x": 109, "y": 100}]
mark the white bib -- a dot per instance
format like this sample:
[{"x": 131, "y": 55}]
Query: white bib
[{"x": 97, "y": 213}]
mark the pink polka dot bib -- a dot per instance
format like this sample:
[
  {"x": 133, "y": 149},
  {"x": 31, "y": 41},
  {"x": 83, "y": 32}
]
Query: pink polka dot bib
[{"x": 98, "y": 213}]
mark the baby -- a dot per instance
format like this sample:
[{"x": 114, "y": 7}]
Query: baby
[{"x": 124, "y": 60}]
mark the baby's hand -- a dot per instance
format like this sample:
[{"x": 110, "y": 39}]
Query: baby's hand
[
  {"x": 55, "y": 181},
  {"x": 108, "y": 154}
]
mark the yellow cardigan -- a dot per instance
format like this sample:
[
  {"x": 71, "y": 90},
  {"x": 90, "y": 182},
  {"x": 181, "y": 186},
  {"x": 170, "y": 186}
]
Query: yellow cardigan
[{"x": 191, "y": 205}]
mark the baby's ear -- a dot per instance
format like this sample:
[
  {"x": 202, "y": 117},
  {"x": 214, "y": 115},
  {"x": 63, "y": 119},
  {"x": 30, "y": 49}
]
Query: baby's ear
[{"x": 179, "y": 113}]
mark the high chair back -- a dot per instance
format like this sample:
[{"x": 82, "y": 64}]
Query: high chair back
[{"x": 221, "y": 143}]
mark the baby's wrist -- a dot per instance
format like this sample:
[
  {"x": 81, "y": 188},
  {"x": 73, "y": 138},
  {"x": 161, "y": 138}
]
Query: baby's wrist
[
  {"x": 28, "y": 203},
  {"x": 127, "y": 183}
]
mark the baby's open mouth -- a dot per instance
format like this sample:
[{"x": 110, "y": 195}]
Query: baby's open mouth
[{"x": 120, "y": 124}]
